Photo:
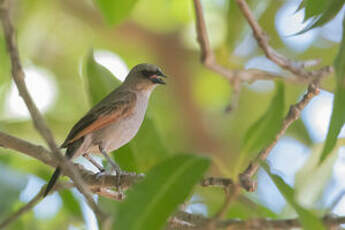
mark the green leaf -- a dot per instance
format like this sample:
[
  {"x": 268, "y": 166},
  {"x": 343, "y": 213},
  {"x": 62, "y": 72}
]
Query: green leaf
[
  {"x": 314, "y": 8},
  {"x": 338, "y": 113},
  {"x": 115, "y": 11},
  {"x": 70, "y": 202},
  {"x": 150, "y": 202},
  {"x": 312, "y": 178},
  {"x": 331, "y": 10},
  {"x": 244, "y": 208},
  {"x": 262, "y": 132},
  {"x": 234, "y": 30},
  {"x": 126, "y": 159},
  {"x": 300, "y": 132},
  {"x": 301, "y": 6},
  {"x": 11, "y": 184},
  {"x": 308, "y": 220},
  {"x": 100, "y": 81}
]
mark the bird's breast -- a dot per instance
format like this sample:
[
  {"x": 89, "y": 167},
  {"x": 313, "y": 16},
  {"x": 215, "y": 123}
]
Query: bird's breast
[{"x": 120, "y": 133}]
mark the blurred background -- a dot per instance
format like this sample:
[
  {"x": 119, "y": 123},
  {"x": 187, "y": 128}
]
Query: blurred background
[{"x": 65, "y": 43}]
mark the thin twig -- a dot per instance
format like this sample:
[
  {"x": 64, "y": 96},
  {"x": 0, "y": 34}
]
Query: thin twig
[
  {"x": 209, "y": 60},
  {"x": 22, "y": 210},
  {"x": 336, "y": 201},
  {"x": 38, "y": 121},
  {"x": 236, "y": 91},
  {"x": 217, "y": 182},
  {"x": 293, "y": 114},
  {"x": 231, "y": 194},
  {"x": 27, "y": 207},
  {"x": 295, "y": 67}
]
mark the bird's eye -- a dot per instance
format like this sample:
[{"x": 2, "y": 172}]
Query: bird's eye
[{"x": 147, "y": 73}]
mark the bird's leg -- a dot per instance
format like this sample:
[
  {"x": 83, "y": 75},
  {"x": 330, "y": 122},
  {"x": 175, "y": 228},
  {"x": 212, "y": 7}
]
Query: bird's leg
[
  {"x": 115, "y": 167},
  {"x": 95, "y": 163},
  {"x": 113, "y": 164}
]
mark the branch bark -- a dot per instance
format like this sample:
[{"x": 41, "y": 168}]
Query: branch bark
[
  {"x": 93, "y": 181},
  {"x": 237, "y": 77},
  {"x": 294, "y": 113},
  {"x": 199, "y": 222},
  {"x": 295, "y": 67},
  {"x": 99, "y": 184},
  {"x": 38, "y": 121},
  {"x": 209, "y": 60}
]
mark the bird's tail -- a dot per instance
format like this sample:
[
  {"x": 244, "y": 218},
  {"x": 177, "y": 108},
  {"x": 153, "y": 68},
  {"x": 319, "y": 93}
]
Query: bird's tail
[
  {"x": 71, "y": 150},
  {"x": 52, "y": 181}
]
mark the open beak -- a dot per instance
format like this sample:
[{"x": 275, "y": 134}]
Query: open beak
[{"x": 157, "y": 79}]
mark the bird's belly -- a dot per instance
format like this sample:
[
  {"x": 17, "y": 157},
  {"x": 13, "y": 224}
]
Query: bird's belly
[
  {"x": 123, "y": 134},
  {"x": 116, "y": 135},
  {"x": 120, "y": 133}
]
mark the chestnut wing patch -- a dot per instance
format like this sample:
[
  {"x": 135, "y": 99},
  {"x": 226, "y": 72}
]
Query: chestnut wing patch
[{"x": 101, "y": 116}]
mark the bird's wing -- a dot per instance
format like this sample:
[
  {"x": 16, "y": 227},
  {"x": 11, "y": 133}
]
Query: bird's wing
[{"x": 102, "y": 115}]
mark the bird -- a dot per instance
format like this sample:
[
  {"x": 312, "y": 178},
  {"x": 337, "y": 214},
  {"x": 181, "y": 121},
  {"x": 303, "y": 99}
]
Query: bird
[{"x": 114, "y": 121}]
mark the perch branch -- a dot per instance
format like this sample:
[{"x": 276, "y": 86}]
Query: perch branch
[
  {"x": 93, "y": 181},
  {"x": 127, "y": 180}
]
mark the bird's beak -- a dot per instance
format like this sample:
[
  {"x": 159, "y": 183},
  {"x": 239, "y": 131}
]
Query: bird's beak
[{"x": 157, "y": 79}]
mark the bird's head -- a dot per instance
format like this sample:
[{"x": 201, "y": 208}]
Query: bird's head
[{"x": 145, "y": 76}]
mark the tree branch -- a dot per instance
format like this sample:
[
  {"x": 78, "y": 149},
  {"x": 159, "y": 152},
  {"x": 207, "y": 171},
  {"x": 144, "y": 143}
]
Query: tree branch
[
  {"x": 30, "y": 205},
  {"x": 209, "y": 60},
  {"x": 94, "y": 181},
  {"x": 217, "y": 182},
  {"x": 199, "y": 222},
  {"x": 208, "y": 57},
  {"x": 237, "y": 77},
  {"x": 293, "y": 115},
  {"x": 38, "y": 121},
  {"x": 295, "y": 67}
]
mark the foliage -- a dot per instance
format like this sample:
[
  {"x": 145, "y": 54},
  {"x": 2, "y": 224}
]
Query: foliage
[
  {"x": 115, "y": 11},
  {"x": 262, "y": 132},
  {"x": 184, "y": 116},
  {"x": 167, "y": 185},
  {"x": 321, "y": 11},
  {"x": 308, "y": 220},
  {"x": 338, "y": 113}
]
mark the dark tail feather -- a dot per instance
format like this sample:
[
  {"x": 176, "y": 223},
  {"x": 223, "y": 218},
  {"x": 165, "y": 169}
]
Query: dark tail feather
[
  {"x": 52, "y": 181},
  {"x": 71, "y": 149}
]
